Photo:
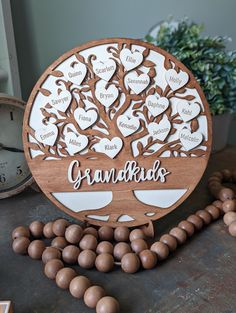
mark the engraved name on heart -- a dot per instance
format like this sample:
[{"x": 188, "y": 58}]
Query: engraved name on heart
[
  {"x": 61, "y": 101},
  {"x": 47, "y": 134},
  {"x": 104, "y": 70},
  {"x": 176, "y": 80},
  {"x": 160, "y": 130},
  {"x": 137, "y": 83},
  {"x": 76, "y": 73},
  {"x": 127, "y": 126},
  {"x": 110, "y": 147},
  {"x": 190, "y": 140},
  {"x": 74, "y": 143},
  {"x": 188, "y": 111},
  {"x": 130, "y": 59},
  {"x": 156, "y": 105},
  {"x": 85, "y": 119},
  {"x": 106, "y": 96}
]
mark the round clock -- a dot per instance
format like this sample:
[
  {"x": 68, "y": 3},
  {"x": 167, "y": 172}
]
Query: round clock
[
  {"x": 118, "y": 132},
  {"x": 14, "y": 172}
]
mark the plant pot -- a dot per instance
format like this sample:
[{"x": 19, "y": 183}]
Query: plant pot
[{"x": 220, "y": 130}]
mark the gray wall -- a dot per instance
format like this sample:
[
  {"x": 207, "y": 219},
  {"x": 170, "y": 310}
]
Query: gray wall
[{"x": 45, "y": 29}]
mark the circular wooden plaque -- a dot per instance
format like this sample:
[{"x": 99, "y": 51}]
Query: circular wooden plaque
[{"x": 118, "y": 132}]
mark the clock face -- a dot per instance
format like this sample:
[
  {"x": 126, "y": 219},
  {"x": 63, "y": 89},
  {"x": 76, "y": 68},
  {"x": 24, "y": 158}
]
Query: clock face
[{"x": 14, "y": 171}]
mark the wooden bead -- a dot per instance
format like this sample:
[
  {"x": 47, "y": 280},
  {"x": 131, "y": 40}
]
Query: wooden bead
[
  {"x": 136, "y": 234},
  {"x": 138, "y": 245},
  {"x": 121, "y": 233},
  {"x": 91, "y": 231},
  {"x": 64, "y": 277},
  {"x": 70, "y": 254},
  {"x": 92, "y": 295},
  {"x": 229, "y": 205},
  {"x": 52, "y": 267},
  {"x": 218, "y": 204},
  {"x": 179, "y": 234},
  {"x": 229, "y": 218},
  {"x": 170, "y": 241},
  {"x": 36, "y": 229},
  {"x": 36, "y": 248},
  {"x": 187, "y": 227},
  {"x": 217, "y": 174},
  {"x": 226, "y": 194},
  {"x": 226, "y": 175},
  {"x": 148, "y": 259},
  {"x": 205, "y": 216},
  {"x": 20, "y": 245},
  {"x": 196, "y": 221},
  {"x": 106, "y": 233},
  {"x": 48, "y": 231},
  {"x": 78, "y": 286},
  {"x": 59, "y": 227},
  {"x": 107, "y": 305},
  {"x": 161, "y": 250},
  {"x": 86, "y": 259},
  {"x": 232, "y": 229},
  {"x": 20, "y": 231},
  {"x": 104, "y": 262},
  {"x": 50, "y": 253},
  {"x": 59, "y": 243},
  {"x": 88, "y": 242},
  {"x": 104, "y": 247},
  {"x": 214, "y": 211},
  {"x": 130, "y": 263},
  {"x": 73, "y": 234},
  {"x": 120, "y": 250}
]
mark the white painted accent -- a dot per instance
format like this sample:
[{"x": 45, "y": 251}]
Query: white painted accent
[
  {"x": 47, "y": 134},
  {"x": 188, "y": 111},
  {"x": 104, "y": 218},
  {"x": 85, "y": 119},
  {"x": 84, "y": 200},
  {"x": 106, "y": 96},
  {"x": 126, "y": 125},
  {"x": 137, "y": 83},
  {"x": 160, "y": 130},
  {"x": 163, "y": 198},
  {"x": 130, "y": 59},
  {"x": 125, "y": 218},
  {"x": 60, "y": 101},
  {"x": 176, "y": 80},
  {"x": 150, "y": 214},
  {"x": 104, "y": 69},
  {"x": 156, "y": 105},
  {"x": 75, "y": 143},
  {"x": 75, "y": 73},
  {"x": 110, "y": 147},
  {"x": 190, "y": 140}
]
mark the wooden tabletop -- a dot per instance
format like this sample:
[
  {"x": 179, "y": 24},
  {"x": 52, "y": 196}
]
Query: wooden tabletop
[{"x": 198, "y": 277}]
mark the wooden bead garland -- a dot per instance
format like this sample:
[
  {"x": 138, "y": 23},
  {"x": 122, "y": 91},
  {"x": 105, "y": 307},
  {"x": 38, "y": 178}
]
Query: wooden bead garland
[{"x": 75, "y": 245}]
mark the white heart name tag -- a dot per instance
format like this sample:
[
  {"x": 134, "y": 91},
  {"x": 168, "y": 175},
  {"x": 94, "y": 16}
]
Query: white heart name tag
[
  {"x": 176, "y": 80},
  {"x": 62, "y": 101},
  {"x": 111, "y": 147},
  {"x": 137, "y": 83},
  {"x": 104, "y": 70},
  {"x": 130, "y": 59},
  {"x": 127, "y": 126},
  {"x": 190, "y": 140},
  {"x": 85, "y": 119},
  {"x": 188, "y": 111},
  {"x": 156, "y": 105},
  {"x": 75, "y": 143},
  {"x": 76, "y": 73},
  {"x": 159, "y": 130},
  {"x": 47, "y": 134},
  {"x": 106, "y": 96}
]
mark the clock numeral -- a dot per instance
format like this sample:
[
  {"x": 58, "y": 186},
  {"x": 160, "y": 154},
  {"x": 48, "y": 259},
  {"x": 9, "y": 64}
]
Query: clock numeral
[
  {"x": 19, "y": 170},
  {"x": 2, "y": 178}
]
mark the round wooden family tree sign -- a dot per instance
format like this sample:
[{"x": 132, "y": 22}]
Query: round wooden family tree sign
[{"x": 117, "y": 131}]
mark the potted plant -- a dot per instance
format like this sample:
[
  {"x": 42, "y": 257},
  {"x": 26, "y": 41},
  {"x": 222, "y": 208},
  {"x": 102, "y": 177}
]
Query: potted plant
[{"x": 212, "y": 65}]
